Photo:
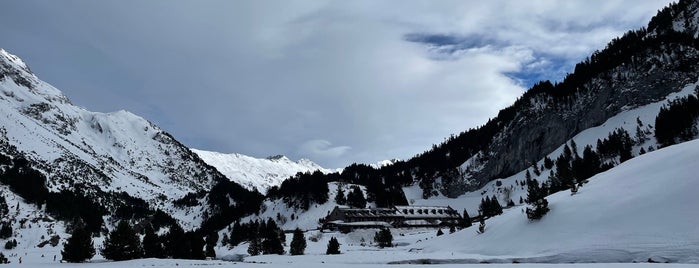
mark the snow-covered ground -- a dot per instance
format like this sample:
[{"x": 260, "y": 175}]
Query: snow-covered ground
[
  {"x": 258, "y": 173},
  {"x": 509, "y": 187},
  {"x": 643, "y": 209}
]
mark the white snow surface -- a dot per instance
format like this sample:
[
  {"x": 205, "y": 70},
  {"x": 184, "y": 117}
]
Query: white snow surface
[
  {"x": 644, "y": 208},
  {"x": 258, "y": 173},
  {"x": 117, "y": 151},
  {"x": 509, "y": 188}
]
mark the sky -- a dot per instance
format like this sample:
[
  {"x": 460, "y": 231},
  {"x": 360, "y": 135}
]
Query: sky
[{"x": 336, "y": 82}]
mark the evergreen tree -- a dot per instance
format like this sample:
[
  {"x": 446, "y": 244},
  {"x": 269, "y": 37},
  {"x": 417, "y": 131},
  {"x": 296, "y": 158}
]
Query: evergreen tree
[
  {"x": 236, "y": 234},
  {"x": 340, "y": 198},
  {"x": 4, "y": 209},
  {"x": 528, "y": 176},
  {"x": 122, "y": 243},
  {"x": 384, "y": 238},
  {"x": 355, "y": 198},
  {"x": 521, "y": 201},
  {"x": 196, "y": 245},
  {"x": 79, "y": 246},
  {"x": 3, "y": 259},
  {"x": 333, "y": 247},
  {"x": 255, "y": 248},
  {"x": 452, "y": 229},
  {"x": 224, "y": 240},
  {"x": 5, "y": 230},
  {"x": 467, "y": 219},
  {"x": 298, "y": 243},
  {"x": 496, "y": 208},
  {"x": 439, "y": 232},
  {"x": 536, "y": 197},
  {"x": 176, "y": 244},
  {"x": 211, "y": 241},
  {"x": 536, "y": 169},
  {"x": 152, "y": 247},
  {"x": 548, "y": 163}
]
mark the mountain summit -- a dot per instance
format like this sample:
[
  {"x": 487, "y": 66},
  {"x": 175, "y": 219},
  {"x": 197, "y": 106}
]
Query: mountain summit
[
  {"x": 258, "y": 173},
  {"x": 111, "y": 157}
]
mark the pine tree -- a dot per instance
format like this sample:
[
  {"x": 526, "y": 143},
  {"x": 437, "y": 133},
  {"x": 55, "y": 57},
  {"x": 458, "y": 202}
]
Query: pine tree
[
  {"x": 3, "y": 259},
  {"x": 176, "y": 244},
  {"x": 5, "y": 230},
  {"x": 79, "y": 246},
  {"x": 255, "y": 248},
  {"x": 355, "y": 198},
  {"x": 122, "y": 243},
  {"x": 452, "y": 229},
  {"x": 536, "y": 197},
  {"x": 196, "y": 245},
  {"x": 536, "y": 169},
  {"x": 439, "y": 232},
  {"x": 152, "y": 248},
  {"x": 271, "y": 241},
  {"x": 224, "y": 240},
  {"x": 236, "y": 234},
  {"x": 384, "y": 238},
  {"x": 333, "y": 247},
  {"x": 211, "y": 240},
  {"x": 298, "y": 243},
  {"x": 467, "y": 219},
  {"x": 340, "y": 198}
]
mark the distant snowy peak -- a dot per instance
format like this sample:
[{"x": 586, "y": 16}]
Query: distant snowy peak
[
  {"x": 258, "y": 173},
  {"x": 384, "y": 163}
]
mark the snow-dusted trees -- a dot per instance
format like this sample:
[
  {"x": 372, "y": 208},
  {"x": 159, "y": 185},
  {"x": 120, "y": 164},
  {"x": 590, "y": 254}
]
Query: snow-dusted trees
[
  {"x": 298, "y": 243},
  {"x": 79, "y": 246}
]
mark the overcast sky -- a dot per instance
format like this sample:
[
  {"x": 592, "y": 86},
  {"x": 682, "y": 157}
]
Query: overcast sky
[{"x": 333, "y": 81}]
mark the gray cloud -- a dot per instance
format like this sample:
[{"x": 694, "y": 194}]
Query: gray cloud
[{"x": 271, "y": 77}]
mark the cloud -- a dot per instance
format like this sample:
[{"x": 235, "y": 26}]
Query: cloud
[
  {"x": 323, "y": 149},
  {"x": 387, "y": 79}
]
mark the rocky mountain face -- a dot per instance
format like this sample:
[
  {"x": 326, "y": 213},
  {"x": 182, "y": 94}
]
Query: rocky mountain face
[
  {"x": 648, "y": 65},
  {"x": 108, "y": 157}
]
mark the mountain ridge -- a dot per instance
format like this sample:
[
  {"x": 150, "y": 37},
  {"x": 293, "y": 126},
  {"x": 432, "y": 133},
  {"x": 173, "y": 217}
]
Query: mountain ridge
[{"x": 258, "y": 173}]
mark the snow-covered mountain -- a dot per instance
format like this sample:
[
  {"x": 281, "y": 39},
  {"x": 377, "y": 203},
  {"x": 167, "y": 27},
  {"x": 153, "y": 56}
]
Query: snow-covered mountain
[
  {"x": 639, "y": 211},
  {"x": 643, "y": 209},
  {"x": 258, "y": 173},
  {"x": 104, "y": 155}
]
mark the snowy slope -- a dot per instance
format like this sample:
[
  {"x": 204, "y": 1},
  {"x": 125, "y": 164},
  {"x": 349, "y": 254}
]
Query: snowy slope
[
  {"x": 644, "y": 208},
  {"x": 106, "y": 152},
  {"x": 626, "y": 120},
  {"x": 258, "y": 173}
]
